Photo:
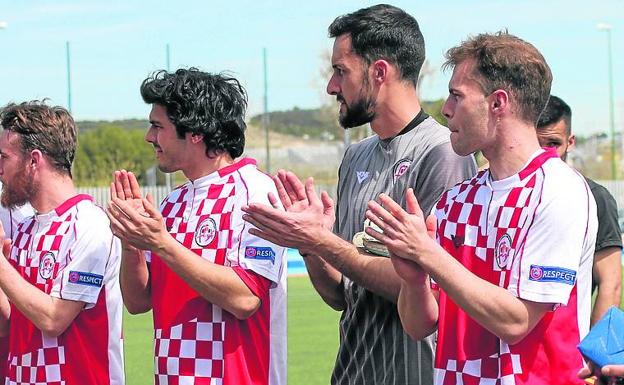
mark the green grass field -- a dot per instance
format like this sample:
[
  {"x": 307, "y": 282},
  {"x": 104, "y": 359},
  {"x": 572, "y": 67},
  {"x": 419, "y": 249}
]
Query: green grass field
[{"x": 312, "y": 339}]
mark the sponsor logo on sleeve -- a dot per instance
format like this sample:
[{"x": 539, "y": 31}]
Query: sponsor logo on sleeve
[
  {"x": 401, "y": 168},
  {"x": 205, "y": 232},
  {"x": 82, "y": 278},
  {"x": 260, "y": 253},
  {"x": 46, "y": 265},
  {"x": 552, "y": 274}
]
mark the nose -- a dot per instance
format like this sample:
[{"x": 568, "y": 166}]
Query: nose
[
  {"x": 150, "y": 137},
  {"x": 332, "y": 86},
  {"x": 446, "y": 109}
]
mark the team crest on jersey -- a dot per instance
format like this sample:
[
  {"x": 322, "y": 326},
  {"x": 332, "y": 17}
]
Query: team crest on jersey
[
  {"x": 46, "y": 265},
  {"x": 206, "y": 232},
  {"x": 503, "y": 251},
  {"x": 400, "y": 168}
]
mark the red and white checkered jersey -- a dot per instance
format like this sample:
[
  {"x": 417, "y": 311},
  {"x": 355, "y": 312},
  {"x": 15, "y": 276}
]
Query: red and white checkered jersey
[
  {"x": 69, "y": 253},
  {"x": 197, "y": 342},
  {"x": 10, "y": 218},
  {"x": 532, "y": 233}
]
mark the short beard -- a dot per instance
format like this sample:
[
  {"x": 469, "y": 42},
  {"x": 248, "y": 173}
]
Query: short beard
[
  {"x": 19, "y": 191},
  {"x": 362, "y": 111}
]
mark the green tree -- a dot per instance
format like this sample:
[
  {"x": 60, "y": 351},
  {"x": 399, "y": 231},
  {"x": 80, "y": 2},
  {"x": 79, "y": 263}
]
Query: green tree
[{"x": 107, "y": 148}]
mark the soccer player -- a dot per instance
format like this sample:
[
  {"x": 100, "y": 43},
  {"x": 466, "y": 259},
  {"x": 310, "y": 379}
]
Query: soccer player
[
  {"x": 377, "y": 56},
  {"x": 510, "y": 250},
  {"x": 9, "y": 218},
  {"x": 554, "y": 129},
  {"x": 61, "y": 271},
  {"x": 218, "y": 294}
]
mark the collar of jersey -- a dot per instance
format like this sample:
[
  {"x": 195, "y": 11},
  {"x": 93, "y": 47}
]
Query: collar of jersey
[
  {"x": 63, "y": 207},
  {"x": 535, "y": 161},
  {"x": 221, "y": 173}
]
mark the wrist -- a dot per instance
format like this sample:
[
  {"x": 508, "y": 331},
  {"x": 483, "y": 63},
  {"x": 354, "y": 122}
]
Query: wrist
[{"x": 305, "y": 254}]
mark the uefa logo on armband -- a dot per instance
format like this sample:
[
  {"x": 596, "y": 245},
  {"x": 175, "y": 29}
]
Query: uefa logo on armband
[
  {"x": 260, "y": 253},
  {"x": 536, "y": 273},
  {"x": 554, "y": 274}
]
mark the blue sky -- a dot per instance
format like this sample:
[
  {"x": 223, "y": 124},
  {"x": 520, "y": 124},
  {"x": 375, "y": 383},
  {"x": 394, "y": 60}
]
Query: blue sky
[{"x": 116, "y": 44}]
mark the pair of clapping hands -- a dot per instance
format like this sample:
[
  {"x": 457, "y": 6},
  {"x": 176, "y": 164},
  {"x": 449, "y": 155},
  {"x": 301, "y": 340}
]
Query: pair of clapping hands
[
  {"x": 405, "y": 232},
  {"x": 134, "y": 219}
]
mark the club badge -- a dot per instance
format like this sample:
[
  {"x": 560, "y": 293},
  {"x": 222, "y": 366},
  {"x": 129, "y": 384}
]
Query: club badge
[
  {"x": 503, "y": 251},
  {"x": 46, "y": 265},
  {"x": 205, "y": 232},
  {"x": 400, "y": 168}
]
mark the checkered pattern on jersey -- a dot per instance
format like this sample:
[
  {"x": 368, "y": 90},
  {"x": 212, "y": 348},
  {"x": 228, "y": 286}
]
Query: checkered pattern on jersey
[
  {"x": 41, "y": 367},
  {"x": 494, "y": 370},
  {"x": 35, "y": 251},
  {"x": 205, "y": 227},
  {"x": 469, "y": 226},
  {"x": 473, "y": 222},
  {"x": 191, "y": 353}
]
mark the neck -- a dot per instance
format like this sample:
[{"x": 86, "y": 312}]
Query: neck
[
  {"x": 207, "y": 166},
  {"x": 515, "y": 145},
  {"x": 396, "y": 107},
  {"x": 52, "y": 192}
]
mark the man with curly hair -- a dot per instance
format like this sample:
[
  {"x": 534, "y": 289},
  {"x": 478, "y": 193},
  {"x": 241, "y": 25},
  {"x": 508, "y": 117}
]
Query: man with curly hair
[{"x": 218, "y": 294}]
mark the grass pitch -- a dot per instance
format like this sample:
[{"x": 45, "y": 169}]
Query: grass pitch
[{"x": 312, "y": 339}]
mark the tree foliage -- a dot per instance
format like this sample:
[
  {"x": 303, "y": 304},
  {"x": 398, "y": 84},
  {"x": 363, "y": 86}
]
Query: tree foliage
[{"x": 109, "y": 147}]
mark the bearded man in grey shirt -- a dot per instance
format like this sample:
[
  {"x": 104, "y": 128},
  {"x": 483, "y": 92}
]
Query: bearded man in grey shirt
[{"x": 378, "y": 52}]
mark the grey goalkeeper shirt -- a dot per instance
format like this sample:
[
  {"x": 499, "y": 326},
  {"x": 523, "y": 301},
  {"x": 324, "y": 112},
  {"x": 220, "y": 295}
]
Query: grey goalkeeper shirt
[{"x": 374, "y": 349}]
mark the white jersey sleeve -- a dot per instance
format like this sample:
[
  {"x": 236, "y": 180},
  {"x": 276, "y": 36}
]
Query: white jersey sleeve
[
  {"x": 91, "y": 256},
  {"x": 558, "y": 248},
  {"x": 249, "y": 251}
]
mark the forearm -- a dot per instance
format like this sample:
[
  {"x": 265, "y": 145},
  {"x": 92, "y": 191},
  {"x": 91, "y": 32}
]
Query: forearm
[
  {"x": 371, "y": 272},
  {"x": 326, "y": 280},
  {"x": 134, "y": 279},
  {"x": 493, "y": 307},
  {"x": 5, "y": 313},
  {"x": 418, "y": 309},
  {"x": 219, "y": 285},
  {"x": 607, "y": 273},
  {"x": 605, "y": 298},
  {"x": 49, "y": 314}
]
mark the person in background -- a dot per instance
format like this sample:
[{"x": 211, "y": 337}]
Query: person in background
[{"x": 554, "y": 130}]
